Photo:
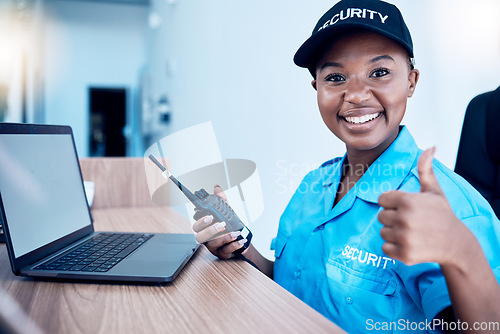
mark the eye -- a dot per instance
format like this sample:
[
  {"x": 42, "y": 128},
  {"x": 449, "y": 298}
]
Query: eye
[
  {"x": 335, "y": 77},
  {"x": 379, "y": 72}
]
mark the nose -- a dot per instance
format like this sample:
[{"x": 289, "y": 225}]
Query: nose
[{"x": 357, "y": 91}]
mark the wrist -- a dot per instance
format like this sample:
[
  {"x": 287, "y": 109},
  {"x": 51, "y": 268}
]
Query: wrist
[
  {"x": 463, "y": 249},
  {"x": 250, "y": 254},
  {"x": 247, "y": 250}
]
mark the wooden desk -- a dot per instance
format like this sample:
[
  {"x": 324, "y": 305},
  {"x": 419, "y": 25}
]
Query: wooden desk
[{"x": 209, "y": 295}]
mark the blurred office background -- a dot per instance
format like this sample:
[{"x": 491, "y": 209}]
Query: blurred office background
[{"x": 124, "y": 73}]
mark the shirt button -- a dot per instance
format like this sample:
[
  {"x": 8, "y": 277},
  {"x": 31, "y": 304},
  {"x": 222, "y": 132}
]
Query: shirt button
[
  {"x": 297, "y": 274},
  {"x": 348, "y": 300}
]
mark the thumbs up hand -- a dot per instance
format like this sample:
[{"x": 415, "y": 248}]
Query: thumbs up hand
[{"x": 420, "y": 227}]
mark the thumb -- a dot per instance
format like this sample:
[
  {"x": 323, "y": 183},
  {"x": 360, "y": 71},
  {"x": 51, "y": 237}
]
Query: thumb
[
  {"x": 219, "y": 192},
  {"x": 428, "y": 181}
]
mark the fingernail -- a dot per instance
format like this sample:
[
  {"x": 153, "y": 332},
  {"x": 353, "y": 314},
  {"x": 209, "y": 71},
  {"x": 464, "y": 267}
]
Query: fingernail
[
  {"x": 220, "y": 226},
  {"x": 235, "y": 234},
  {"x": 208, "y": 219},
  {"x": 242, "y": 241}
]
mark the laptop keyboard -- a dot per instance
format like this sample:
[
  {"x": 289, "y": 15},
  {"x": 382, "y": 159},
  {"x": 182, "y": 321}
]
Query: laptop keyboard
[{"x": 99, "y": 254}]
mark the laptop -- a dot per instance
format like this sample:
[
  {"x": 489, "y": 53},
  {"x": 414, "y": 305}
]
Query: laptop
[{"x": 47, "y": 223}]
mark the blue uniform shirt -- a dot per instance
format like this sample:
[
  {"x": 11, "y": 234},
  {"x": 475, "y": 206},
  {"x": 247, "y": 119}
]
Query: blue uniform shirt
[{"x": 332, "y": 259}]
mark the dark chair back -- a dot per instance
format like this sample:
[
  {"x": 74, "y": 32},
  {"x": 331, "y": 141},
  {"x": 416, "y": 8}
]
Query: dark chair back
[{"x": 478, "y": 159}]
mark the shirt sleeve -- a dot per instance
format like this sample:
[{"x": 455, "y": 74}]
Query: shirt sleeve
[
  {"x": 288, "y": 220},
  {"x": 426, "y": 286},
  {"x": 425, "y": 282}
]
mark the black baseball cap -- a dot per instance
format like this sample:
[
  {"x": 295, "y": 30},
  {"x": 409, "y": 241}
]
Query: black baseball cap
[{"x": 346, "y": 15}]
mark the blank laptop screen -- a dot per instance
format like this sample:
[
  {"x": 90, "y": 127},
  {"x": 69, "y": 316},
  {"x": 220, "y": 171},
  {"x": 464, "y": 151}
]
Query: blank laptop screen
[{"x": 41, "y": 189}]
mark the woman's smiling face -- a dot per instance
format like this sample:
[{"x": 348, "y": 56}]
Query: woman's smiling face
[{"x": 363, "y": 81}]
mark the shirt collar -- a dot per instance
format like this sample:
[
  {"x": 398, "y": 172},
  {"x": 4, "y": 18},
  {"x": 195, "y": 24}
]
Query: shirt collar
[
  {"x": 386, "y": 173},
  {"x": 390, "y": 169},
  {"x": 334, "y": 172}
]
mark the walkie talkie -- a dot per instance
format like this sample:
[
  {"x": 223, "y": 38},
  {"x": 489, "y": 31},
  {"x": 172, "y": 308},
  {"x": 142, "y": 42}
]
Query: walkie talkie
[{"x": 208, "y": 204}]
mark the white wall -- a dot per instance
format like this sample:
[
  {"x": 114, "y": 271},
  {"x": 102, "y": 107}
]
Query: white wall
[
  {"x": 457, "y": 48},
  {"x": 91, "y": 44},
  {"x": 230, "y": 62}
]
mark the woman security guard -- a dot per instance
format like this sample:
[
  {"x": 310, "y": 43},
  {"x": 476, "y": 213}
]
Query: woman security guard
[{"x": 383, "y": 238}]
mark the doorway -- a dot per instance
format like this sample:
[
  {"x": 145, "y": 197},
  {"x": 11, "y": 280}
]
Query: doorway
[{"x": 108, "y": 107}]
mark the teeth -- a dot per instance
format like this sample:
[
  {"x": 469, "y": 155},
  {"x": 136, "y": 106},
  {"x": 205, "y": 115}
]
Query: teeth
[{"x": 362, "y": 119}]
